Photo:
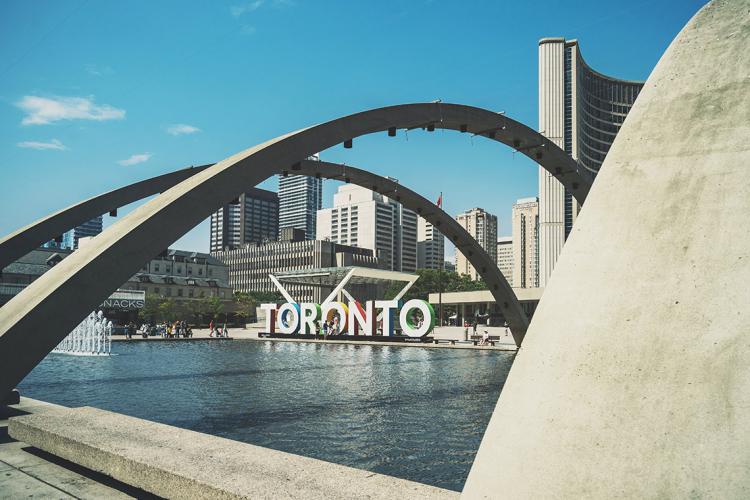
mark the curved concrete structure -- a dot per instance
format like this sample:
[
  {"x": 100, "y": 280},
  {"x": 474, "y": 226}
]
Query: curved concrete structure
[
  {"x": 72, "y": 288},
  {"x": 633, "y": 379},
  {"x": 24, "y": 240}
]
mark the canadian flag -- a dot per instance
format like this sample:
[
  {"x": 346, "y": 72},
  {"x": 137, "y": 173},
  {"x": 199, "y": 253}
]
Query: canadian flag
[{"x": 440, "y": 201}]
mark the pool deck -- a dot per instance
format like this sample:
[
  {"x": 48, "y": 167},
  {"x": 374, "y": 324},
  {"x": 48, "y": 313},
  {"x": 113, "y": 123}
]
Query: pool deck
[
  {"x": 165, "y": 461},
  {"x": 28, "y": 472},
  {"x": 251, "y": 333}
]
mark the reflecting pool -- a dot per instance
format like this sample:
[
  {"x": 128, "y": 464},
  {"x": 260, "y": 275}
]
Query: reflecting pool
[{"x": 415, "y": 413}]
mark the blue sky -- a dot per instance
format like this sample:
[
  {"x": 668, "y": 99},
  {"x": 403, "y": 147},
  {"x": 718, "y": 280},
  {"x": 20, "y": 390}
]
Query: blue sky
[{"x": 97, "y": 94}]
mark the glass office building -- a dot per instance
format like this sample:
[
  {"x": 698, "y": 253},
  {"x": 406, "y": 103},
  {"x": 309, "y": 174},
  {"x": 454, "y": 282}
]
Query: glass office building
[
  {"x": 300, "y": 198},
  {"x": 90, "y": 228},
  {"x": 251, "y": 218}
]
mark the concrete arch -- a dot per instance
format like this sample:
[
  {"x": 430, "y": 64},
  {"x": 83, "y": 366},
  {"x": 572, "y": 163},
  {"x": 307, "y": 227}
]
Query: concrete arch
[
  {"x": 27, "y": 238},
  {"x": 497, "y": 283},
  {"x": 66, "y": 293},
  {"x": 24, "y": 240}
]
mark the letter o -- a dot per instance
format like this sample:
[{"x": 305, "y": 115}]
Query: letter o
[
  {"x": 289, "y": 315},
  {"x": 332, "y": 308},
  {"x": 428, "y": 313}
]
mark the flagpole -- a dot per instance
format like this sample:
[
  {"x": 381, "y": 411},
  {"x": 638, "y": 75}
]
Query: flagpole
[{"x": 442, "y": 270}]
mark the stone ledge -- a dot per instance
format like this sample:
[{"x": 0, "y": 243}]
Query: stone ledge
[{"x": 173, "y": 462}]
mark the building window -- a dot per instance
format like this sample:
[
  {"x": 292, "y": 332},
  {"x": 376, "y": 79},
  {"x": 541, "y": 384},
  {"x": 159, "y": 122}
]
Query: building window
[
  {"x": 200, "y": 271},
  {"x": 156, "y": 268},
  {"x": 169, "y": 292},
  {"x": 156, "y": 289},
  {"x": 179, "y": 292}
]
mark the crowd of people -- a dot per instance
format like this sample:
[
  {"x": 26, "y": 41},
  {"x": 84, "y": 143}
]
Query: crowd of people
[
  {"x": 215, "y": 331},
  {"x": 166, "y": 329}
]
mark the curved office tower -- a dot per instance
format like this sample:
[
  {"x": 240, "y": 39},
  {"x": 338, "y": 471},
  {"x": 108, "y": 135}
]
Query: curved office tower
[{"x": 580, "y": 110}]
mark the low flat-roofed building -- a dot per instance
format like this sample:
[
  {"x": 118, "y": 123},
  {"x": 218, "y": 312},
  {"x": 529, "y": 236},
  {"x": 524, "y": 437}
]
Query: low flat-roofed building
[
  {"x": 481, "y": 304},
  {"x": 251, "y": 265},
  {"x": 347, "y": 282}
]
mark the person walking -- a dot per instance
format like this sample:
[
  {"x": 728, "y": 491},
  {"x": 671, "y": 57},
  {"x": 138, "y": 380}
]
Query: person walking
[{"x": 211, "y": 329}]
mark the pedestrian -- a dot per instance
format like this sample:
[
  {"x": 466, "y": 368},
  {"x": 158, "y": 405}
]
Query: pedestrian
[
  {"x": 485, "y": 338},
  {"x": 224, "y": 331},
  {"x": 474, "y": 325},
  {"x": 211, "y": 329}
]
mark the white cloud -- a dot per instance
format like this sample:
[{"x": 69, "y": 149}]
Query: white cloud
[
  {"x": 94, "y": 70},
  {"x": 53, "y": 144},
  {"x": 135, "y": 159},
  {"x": 44, "y": 110},
  {"x": 182, "y": 129},
  {"x": 238, "y": 10}
]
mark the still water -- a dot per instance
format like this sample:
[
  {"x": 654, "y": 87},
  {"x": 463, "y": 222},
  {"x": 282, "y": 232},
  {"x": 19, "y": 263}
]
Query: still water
[{"x": 409, "y": 412}]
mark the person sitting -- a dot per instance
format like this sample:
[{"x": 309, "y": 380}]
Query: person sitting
[{"x": 485, "y": 338}]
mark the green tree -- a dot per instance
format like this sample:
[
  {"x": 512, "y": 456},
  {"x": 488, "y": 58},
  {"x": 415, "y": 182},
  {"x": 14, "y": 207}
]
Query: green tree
[
  {"x": 150, "y": 311},
  {"x": 244, "y": 306},
  {"x": 434, "y": 281},
  {"x": 213, "y": 307},
  {"x": 167, "y": 310}
]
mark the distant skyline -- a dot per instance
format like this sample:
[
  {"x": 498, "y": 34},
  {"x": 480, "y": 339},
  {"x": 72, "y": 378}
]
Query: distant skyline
[{"x": 95, "y": 95}]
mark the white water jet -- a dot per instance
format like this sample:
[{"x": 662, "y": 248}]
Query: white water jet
[{"x": 92, "y": 337}]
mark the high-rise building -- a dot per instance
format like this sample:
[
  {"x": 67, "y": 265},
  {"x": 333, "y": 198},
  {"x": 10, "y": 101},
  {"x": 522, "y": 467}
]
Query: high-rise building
[
  {"x": 581, "y": 111},
  {"x": 253, "y": 217},
  {"x": 505, "y": 257},
  {"x": 482, "y": 225},
  {"x": 70, "y": 238},
  {"x": 430, "y": 246},
  {"x": 362, "y": 218},
  {"x": 525, "y": 225},
  {"x": 300, "y": 199}
]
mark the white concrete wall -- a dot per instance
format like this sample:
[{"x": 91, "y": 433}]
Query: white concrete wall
[{"x": 633, "y": 379}]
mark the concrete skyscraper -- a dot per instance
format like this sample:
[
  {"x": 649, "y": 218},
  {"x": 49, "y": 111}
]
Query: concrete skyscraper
[
  {"x": 525, "y": 222},
  {"x": 581, "y": 111},
  {"x": 430, "y": 246},
  {"x": 505, "y": 257},
  {"x": 253, "y": 217},
  {"x": 300, "y": 198},
  {"x": 482, "y": 225},
  {"x": 366, "y": 219}
]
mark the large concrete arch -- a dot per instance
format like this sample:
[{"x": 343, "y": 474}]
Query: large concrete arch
[
  {"x": 34, "y": 321},
  {"x": 27, "y": 238},
  {"x": 490, "y": 272},
  {"x": 633, "y": 381}
]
